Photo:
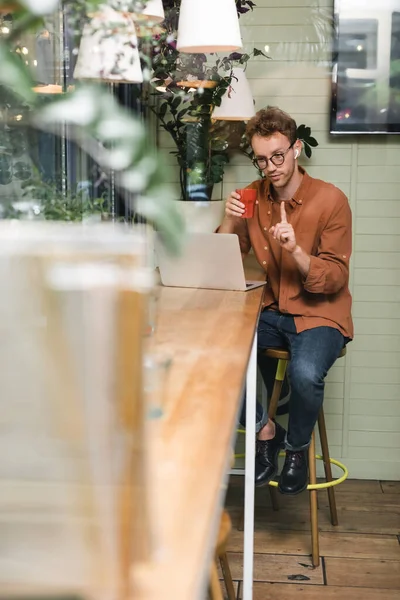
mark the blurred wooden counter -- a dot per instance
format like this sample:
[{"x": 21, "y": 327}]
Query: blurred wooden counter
[{"x": 208, "y": 335}]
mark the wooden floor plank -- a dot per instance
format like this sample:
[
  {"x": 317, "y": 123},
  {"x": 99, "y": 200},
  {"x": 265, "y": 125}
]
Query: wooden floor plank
[
  {"x": 352, "y": 572},
  {"x": 331, "y": 544},
  {"x": 361, "y": 554},
  {"x": 390, "y": 487},
  {"x": 276, "y": 591},
  {"x": 349, "y": 522},
  {"x": 278, "y": 568},
  {"x": 351, "y": 499},
  {"x": 385, "y": 523},
  {"x": 361, "y": 501},
  {"x": 360, "y": 486}
]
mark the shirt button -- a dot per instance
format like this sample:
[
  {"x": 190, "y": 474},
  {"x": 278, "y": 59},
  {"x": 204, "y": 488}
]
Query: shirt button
[
  {"x": 300, "y": 201},
  {"x": 264, "y": 262},
  {"x": 265, "y": 247},
  {"x": 265, "y": 229},
  {"x": 269, "y": 212},
  {"x": 256, "y": 201}
]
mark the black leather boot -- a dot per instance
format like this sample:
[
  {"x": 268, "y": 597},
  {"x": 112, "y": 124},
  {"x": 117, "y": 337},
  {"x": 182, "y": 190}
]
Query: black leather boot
[
  {"x": 267, "y": 453},
  {"x": 294, "y": 476}
]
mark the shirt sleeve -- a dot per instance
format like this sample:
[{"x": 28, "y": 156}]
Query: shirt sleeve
[
  {"x": 239, "y": 226},
  {"x": 329, "y": 269},
  {"x": 242, "y": 232}
]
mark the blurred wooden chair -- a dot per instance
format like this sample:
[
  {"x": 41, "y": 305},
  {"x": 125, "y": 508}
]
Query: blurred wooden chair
[{"x": 215, "y": 589}]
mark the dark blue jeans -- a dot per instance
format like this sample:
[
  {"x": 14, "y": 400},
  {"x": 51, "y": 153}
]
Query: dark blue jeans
[{"x": 313, "y": 352}]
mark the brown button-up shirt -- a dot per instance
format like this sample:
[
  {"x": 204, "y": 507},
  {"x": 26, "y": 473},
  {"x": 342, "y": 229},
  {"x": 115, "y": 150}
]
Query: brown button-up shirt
[{"x": 321, "y": 218}]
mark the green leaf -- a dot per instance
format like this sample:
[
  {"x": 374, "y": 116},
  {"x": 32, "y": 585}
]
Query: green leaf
[
  {"x": 22, "y": 170},
  {"x": 162, "y": 110},
  {"x": 117, "y": 141},
  {"x": 257, "y": 52},
  {"x": 307, "y": 150},
  {"x": 15, "y": 76},
  {"x": 219, "y": 159},
  {"x": 160, "y": 209},
  {"x": 5, "y": 170},
  {"x": 312, "y": 142},
  {"x": 176, "y": 102},
  {"x": 301, "y": 131}
]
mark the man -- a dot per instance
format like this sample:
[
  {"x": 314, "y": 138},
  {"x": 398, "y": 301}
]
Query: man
[{"x": 301, "y": 235}]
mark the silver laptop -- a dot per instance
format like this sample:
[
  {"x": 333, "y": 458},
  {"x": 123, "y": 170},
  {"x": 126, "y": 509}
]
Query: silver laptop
[{"x": 208, "y": 260}]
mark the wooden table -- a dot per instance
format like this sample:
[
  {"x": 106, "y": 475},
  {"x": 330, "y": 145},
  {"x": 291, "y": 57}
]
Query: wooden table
[{"x": 209, "y": 335}]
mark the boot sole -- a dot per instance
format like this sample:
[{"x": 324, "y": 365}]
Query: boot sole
[
  {"x": 266, "y": 482},
  {"x": 300, "y": 491}
]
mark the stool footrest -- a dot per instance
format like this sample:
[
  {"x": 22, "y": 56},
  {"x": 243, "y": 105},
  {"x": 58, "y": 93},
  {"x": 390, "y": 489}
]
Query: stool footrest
[{"x": 327, "y": 484}]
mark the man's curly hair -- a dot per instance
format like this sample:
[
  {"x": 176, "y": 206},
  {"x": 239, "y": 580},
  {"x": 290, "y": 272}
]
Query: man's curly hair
[{"x": 270, "y": 120}]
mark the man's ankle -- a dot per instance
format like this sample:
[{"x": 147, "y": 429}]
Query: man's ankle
[{"x": 267, "y": 432}]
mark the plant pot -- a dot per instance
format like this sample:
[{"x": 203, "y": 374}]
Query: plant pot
[
  {"x": 9, "y": 8},
  {"x": 201, "y": 217}
]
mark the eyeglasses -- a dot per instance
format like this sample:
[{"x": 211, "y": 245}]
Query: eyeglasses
[{"x": 277, "y": 159}]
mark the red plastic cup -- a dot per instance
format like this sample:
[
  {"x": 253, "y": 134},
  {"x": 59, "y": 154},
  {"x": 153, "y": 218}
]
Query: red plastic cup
[{"x": 248, "y": 197}]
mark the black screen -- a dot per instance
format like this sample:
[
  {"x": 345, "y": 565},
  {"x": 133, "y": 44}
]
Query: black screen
[{"x": 366, "y": 67}]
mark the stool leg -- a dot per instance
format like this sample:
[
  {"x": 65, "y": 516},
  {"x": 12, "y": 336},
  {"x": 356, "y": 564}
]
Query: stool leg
[
  {"x": 274, "y": 497},
  {"x": 226, "y": 572},
  {"x": 274, "y": 503},
  {"x": 241, "y": 521},
  {"x": 273, "y": 405},
  {"x": 215, "y": 586},
  {"x": 276, "y": 392},
  {"x": 313, "y": 503},
  {"x": 327, "y": 466}
]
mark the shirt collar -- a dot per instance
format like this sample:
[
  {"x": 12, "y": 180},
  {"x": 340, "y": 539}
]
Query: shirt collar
[{"x": 299, "y": 195}]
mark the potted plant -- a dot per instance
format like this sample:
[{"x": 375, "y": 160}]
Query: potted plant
[
  {"x": 112, "y": 136},
  {"x": 185, "y": 90}
]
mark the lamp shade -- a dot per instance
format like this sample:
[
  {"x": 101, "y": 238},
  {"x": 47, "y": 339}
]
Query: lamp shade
[
  {"x": 208, "y": 26},
  {"x": 237, "y": 102},
  {"x": 154, "y": 11},
  {"x": 108, "y": 49},
  {"x": 48, "y": 89}
]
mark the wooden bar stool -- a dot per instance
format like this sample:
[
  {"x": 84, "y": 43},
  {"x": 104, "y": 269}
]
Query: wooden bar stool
[
  {"x": 215, "y": 590},
  {"x": 283, "y": 357}
]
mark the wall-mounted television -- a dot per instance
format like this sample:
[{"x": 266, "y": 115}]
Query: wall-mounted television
[{"x": 366, "y": 67}]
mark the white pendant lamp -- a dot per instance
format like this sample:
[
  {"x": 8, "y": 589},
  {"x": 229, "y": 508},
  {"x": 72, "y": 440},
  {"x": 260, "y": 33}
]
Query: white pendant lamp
[
  {"x": 208, "y": 26},
  {"x": 153, "y": 12},
  {"x": 49, "y": 88},
  {"x": 237, "y": 102},
  {"x": 108, "y": 49}
]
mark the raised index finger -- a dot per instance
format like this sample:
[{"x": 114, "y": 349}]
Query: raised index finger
[{"x": 283, "y": 213}]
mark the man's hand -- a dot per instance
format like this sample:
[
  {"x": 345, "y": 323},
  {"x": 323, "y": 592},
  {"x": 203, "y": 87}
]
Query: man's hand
[
  {"x": 233, "y": 206},
  {"x": 283, "y": 232}
]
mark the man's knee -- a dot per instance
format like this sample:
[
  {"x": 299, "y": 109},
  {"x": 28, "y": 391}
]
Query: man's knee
[{"x": 305, "y": 377}]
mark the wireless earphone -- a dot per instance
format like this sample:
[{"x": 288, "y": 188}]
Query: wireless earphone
[{"x": 296, "y": 154}]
